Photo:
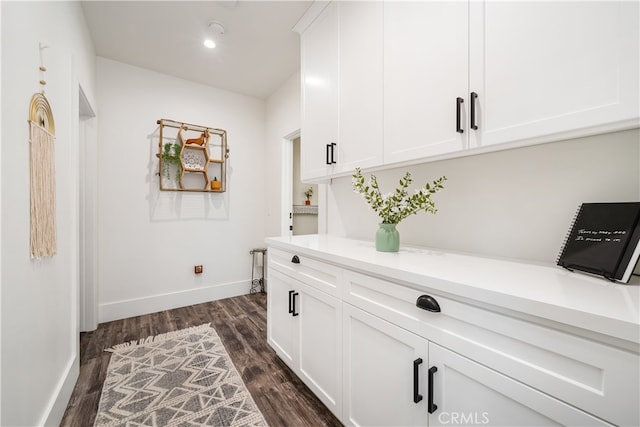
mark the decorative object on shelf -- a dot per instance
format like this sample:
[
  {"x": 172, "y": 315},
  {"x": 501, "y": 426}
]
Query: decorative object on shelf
[
  {"x": 395, "y": 206},
  {"x": 189, "y": 158},
  {"x": 604, "y": 239},
  {"x": 308, "y": 195},
  {"x": 171, "y": 156},
  {"x": 215, "y": 184},
  {"x": 193, "y": 156},
  {"x": 201, "y": 140},
  {"x": 193, "y": 161},
  {"x": 42, "y": 173}
]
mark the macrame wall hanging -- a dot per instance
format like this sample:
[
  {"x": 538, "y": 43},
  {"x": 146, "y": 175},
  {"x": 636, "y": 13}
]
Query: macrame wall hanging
[{"x": 42, "y": 173}]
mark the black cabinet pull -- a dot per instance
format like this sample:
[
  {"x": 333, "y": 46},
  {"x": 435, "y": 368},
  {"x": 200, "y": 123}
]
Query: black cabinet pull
[
  {"x": 427, "y": 302},
  {"x": 291, "y": 302},
  {"x": 295, "y": 259},
  {"x": 293, "y": 298},
  {"x": 474, "y": 96},
  {"x": 417, "y": 397},
  {"x": 459, "y": 102},
  {"x": 330, "y": 153},
  {"x": 431, "y": 407}
]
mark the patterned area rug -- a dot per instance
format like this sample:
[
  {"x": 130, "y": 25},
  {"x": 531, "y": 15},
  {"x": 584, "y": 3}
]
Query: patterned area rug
[{"x": 183, "y": 378}]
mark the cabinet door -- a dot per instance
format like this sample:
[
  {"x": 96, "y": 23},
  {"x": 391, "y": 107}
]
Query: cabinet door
[
  {"x": 320, "y": 93},
  {"x": 320, "y": 345},
  {"x": 360, "y": 143},
  {"x": 467, "y": 393},
  {"x": 379, "y": 372},
  {"x": 425, "y": 71},
  {"x": 547, "y": 70},
  {"x": 281, "y": 325}
]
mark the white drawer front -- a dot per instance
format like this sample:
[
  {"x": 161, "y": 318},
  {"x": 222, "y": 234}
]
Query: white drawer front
[
  {"x": 598, "y": 378},
  {"x": 317, "y": 274}
]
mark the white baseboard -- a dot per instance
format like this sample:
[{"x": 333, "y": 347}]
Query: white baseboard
[
  {"x": 59, "y": 400},
  {"x": 152, "y": 304}
]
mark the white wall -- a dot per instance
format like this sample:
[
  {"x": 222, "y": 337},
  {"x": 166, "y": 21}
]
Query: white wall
[
  {"x": 515, "y": 203},
  {"x": 0, "y": 228},
  {"x": 149, "y": 241},
  {"x": 39, "y": 297},
  {"x": 283, "y": 118}
]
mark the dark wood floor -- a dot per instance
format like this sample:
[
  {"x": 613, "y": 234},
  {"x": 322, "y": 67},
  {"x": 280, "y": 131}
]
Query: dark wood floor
[{"x": 241, "y": 323}]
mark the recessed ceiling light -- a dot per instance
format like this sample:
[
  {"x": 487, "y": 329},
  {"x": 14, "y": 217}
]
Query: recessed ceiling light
[{"x": 214, "y": 30}]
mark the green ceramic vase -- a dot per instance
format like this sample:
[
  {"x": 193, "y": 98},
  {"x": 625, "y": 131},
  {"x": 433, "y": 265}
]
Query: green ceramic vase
[{"x": 387, "y": 238}]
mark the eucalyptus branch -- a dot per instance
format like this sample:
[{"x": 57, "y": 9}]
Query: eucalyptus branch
[{"x": 396, "y": 206}]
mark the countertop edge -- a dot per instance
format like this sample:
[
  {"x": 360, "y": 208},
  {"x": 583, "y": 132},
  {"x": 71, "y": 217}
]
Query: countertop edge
[{"x": 627, "y": 329}]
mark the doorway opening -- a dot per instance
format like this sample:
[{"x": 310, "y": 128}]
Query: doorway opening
[
  {"x": 298, "y": 217},
  {"x": 304, "y": 198},
  {"x": 87, "y": 205}
]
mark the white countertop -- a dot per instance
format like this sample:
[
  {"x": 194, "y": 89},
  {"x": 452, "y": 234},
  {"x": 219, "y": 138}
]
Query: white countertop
[{"x": 545, "y": 291}]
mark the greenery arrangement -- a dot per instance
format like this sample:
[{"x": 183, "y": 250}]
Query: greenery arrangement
[
  {"x": 395, "y": 206},
  {"x": 171, "y": 156},
  {"x": 309, "y": 193}
]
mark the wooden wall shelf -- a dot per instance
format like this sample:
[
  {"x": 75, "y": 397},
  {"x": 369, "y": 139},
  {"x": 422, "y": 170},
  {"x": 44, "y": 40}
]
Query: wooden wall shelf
[{"x": 192, "y": 157}]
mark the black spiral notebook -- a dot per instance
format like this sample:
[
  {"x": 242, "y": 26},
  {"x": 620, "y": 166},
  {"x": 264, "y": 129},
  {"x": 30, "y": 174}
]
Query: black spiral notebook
[{"x": 604, "y": 240}]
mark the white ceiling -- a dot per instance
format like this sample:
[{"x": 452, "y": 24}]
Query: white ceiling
[{"x": 257, "y": 53}]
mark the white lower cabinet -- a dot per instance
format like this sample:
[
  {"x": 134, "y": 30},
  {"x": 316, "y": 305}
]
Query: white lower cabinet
[
  {"x": 304, "y": 328},
  {"x": 281, "y": 325},
  {"x": 378, "y": 352},
  {"x": 379, "y": 360},
  {"x": 467, "y": 393},
  {"x": 393, "y": 377},
  {"x": 320, "y": 345}
]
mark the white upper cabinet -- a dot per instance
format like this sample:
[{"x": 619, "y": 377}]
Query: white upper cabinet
[
  {"x": 397, "y": 82},
  {"x": 361, "y": 53},
  {"x": 425, "y": 72},
  {"x": 320, "y": 94},
  {"x": 342, "y": 90},
  {"x": 550, "y": 70}
]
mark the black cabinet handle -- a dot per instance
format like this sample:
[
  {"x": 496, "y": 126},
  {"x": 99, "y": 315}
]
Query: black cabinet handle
[
  {"x": 459, "y": 102},
  {"x": 431, "y": 407},
  {"x": 291, "y": 302},
  {"x": 293, "y": 298},
  {"x": 474, "y": 96},
  {"x": 295, "y": 259},
  {"x": 417, "y": 397},
  {"x": 427, "y": 302},
  {"x": 330, "y": 153}
]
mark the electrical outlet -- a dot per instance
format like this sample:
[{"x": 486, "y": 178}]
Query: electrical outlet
[{"x": 197, "y": 269}]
